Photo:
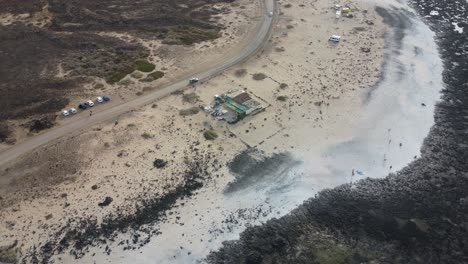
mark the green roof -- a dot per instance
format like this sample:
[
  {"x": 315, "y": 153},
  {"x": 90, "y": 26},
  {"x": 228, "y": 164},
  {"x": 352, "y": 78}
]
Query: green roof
[{"x": 230, "y": 103}]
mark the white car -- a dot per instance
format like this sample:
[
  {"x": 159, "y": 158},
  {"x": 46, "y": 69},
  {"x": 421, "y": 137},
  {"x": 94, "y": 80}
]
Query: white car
[
  {"x": 194, "y": 80},
  {"x": 72, "y": 110},
  {"x": 65, "y": 113},
  {"x": 335, "y": 38},
  {"x": 99, "y": 99},
  {"x": 90, "y": 103},
  {"x": 270, "y": 14},
  {"x": 434, "y": 13}
]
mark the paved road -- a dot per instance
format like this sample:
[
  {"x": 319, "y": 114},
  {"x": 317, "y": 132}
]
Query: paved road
[{"x": 255, "y": 40}]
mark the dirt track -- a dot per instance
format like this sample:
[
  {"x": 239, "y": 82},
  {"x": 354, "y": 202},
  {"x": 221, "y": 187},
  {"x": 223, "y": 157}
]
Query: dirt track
[{"x": 250, "y": 45}]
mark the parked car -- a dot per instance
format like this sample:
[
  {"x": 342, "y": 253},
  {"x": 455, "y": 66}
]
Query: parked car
[
  {"x": 72, "y": 110},
  {"x": 65, "y": 113},
  {"x": 434, "y": 13},
  {"x": 90, "y": 103},
  {"x": 335, "y": 38},
  {"x": 193, "y": 81},
  {"x": 99, "y": 99},
  {"x": 83, "y": 106},
  {"x": 106, "y": 98}
]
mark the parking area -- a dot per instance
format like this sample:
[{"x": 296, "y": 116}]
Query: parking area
[{"x": 85, "y": 105}]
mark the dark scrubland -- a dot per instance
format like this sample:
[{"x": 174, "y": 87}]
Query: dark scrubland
[
  {"x": 30, "y": 60},
  {"x": 32, "y": 56},
  {"x": 418, "y": 215}
]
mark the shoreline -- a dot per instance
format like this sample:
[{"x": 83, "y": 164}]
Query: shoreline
[{"x": 397, "y": 218}]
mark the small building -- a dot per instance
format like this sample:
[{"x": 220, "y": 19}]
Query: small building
[
  {"x": 241, "y": 110},
  {"x": 242, "y": 98}
]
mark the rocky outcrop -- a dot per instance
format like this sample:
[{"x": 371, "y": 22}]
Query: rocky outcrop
[{"x": 419, "y": 215}]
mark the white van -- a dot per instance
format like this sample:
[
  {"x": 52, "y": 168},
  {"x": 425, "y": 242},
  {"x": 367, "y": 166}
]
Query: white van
[{"x": 335, "y": 38}]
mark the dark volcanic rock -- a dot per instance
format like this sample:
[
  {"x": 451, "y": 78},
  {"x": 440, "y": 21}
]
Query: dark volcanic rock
[
  {"x": 81, "y": 233},
  {"x": 159, "y": 163},
  {"x": 418, "y": 215},
  {"x": 106, "y": 201}
]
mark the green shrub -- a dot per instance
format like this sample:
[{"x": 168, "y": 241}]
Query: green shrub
[
  {"x": 119, "y": 74},
  {"x": 210, "y": 135},
  {"x": 144, "y": 66},
  {"x": 186, "y": 35},
  {"x": 240, "y": 72},
  {"x": 156, "y": 75},
  {"x": 190, "y": 111},
  {"x": 147, "y": 79},
  {"x": 146, "y": 135},
  {"x": 282, "y": 98},
  {"x": 259, "y": 76}
]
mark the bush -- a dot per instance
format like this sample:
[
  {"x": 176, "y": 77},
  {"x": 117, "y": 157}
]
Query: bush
[
  {"x": 210, "y": 135},
  {"x": 187, "y": 35},
  {"x": 141, "y": 65},
  {"x": 191, "y": 111},
  {"x": 144, "y": 66},
  {"x": 146, "y": 135},
  {"x": 156, "y": 75},
  {"x": 259, "y": 76},
  {"x": 147, "y": 79},
  {"x": 4, "y": 132},
  {"x": 120, "y": 74},
  {"x": 282, "y": 98},
  {"x": 190, "y": 98},
  {"x": 8, "y": 256},
  {"x": 240, "y": 72},
  {"x": 283, "y": 86}
]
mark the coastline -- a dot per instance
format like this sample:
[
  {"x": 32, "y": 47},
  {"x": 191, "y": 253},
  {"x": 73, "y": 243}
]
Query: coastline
[{"x": 407, "y": 217}]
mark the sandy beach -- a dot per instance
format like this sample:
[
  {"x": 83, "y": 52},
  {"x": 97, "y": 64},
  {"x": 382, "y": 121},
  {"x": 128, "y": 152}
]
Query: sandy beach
[{"x": 328, "y": 110}]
